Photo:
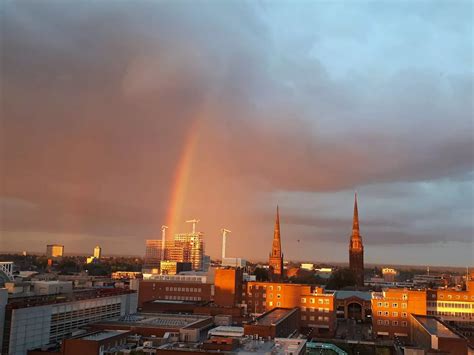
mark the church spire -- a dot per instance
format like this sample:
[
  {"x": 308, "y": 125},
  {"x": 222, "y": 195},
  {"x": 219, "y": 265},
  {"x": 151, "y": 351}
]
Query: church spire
[
  {"x": 276, "y": 245},
  {"x": 355, "y": 220}
]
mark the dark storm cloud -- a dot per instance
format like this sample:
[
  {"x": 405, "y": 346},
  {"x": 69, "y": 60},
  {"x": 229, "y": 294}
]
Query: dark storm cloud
[{"x": 98, "y": 101}]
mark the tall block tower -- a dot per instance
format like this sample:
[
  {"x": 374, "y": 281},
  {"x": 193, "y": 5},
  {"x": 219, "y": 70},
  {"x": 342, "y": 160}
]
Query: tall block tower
[
  {"x": 276, "y": 256},
  {"x": 356, "y": 249}
]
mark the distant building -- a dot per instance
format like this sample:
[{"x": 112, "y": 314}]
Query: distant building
[
  {"x": 356, "y": 249},
  {"x": 97, "y": 252},
  {"x": 389, "y": 274},
  {"x": 168, "y": 267},
  {"x": 152, "y": 254},
  {"x": 54, "y": 250},
  {"x": 307, "y": 266},
  {"x": 36, "y": 321},
  {"x": 188, "y": 247},
  {"x": 276, "y": 256}
]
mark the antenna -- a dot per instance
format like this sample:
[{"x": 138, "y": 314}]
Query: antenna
[
  {"x": 224, "y": 236},
  {"x": 194, "y": 222}
]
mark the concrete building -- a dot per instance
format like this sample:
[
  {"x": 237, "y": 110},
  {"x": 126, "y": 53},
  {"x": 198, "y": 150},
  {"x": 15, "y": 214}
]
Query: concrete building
[
  {"x": 228, "y": 287},
  {"x": 391, "y": 310},
  {"x": 278, "y": 322},
  {"x": 430, "y": 333},
  {"x": 36, "y": 321},
  {"x": 317, "y": 306},
  {"x": 354, "y": 305},
  {"x": 175, "y": 288},
  {"x": 168, "y": 267},
  {"x": 54, "y": 250}
]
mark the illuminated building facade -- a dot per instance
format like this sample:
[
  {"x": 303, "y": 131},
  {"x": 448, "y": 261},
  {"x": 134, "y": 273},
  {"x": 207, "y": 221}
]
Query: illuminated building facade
[
  {"x": 152, "y": 254},
  {"x": 54, "y": 250}
]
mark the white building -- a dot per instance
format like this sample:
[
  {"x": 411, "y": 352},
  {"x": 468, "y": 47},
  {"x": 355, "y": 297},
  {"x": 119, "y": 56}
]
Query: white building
[{"x": 37, "y": 321}]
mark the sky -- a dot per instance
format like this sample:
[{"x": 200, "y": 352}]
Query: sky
[{"x": 117, "y": 118}]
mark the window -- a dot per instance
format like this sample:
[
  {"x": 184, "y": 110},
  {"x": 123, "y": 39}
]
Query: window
[
  {"x": 386, "y": 304},
  {"x": 278, "y": 288},
  {"x": 320, "y": 301},
  {"x": 270, "y": 295},
  {"x": 312, "y": 309},
  {"x": 270, "y": 288},
  {"x": 386, "y": 314},
  {"x": 278, "y": 304},
  {"x": 395, "y": 305},
  {"x": 441, "y": 296},
  {"x": 311, "y": 318},
  {"x": 326, "y": 319},
  {"x": 450, "y": 296},
  {"x": 303, "y": 309},
  {"x": 303, "y": 300},
  {"x": 303, "y": 317},
  {"x": 404, "y": 314},
  {"x": 278, "y": 296},
  {"x": 404, "y": 297},
  {"x": 326, "y": 301},
  {"x": 379, "y": 304},
  {"x": 270, "y": 303},
  {"x": 379, "y": 313},
  {"x": 386, "y": 322},
  {"x": 395, "y": 322},
  {"x": 404, "y": 305},
  {"x": 380, "y": 322},
  {"x": 404, "y": 323},
  {"x": 312, "y": 300},
  {"x": 395, "y": 314},
  {"x": 320, "y": 318}
]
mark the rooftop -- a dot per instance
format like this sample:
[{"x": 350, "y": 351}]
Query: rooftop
[
  {"x": 157, "y": 320},
  {"x": 341, "y": 295},
  {"x": 102, "y": 335},
  {"x": 274, "y": 316},
  {"x": 434, "y": 326}
]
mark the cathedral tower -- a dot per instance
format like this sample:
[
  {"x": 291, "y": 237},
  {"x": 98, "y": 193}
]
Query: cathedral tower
[{"x": 356, "y": 249}]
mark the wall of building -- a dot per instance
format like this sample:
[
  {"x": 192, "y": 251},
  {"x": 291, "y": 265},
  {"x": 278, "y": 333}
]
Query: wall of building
[
  {"x": 228, "y": 287},
  {"x": 150, "y": 290}
]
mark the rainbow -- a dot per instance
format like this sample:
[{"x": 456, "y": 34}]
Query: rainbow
[{"x": 180, "y": 180}]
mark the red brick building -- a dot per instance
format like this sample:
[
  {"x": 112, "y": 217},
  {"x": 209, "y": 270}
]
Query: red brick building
[{"x": 228, "y": 287}]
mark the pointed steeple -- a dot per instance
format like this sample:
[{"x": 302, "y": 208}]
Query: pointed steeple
[
  {"x": 276, "y": 245},
  {"x": 355, "y": 220}
]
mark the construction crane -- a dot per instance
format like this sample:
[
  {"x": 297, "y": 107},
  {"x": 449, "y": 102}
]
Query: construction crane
[
  {"x": 163, "y": 241},
  {"x": 194, "y": 222},
  {"x": 224, "y": 236}
]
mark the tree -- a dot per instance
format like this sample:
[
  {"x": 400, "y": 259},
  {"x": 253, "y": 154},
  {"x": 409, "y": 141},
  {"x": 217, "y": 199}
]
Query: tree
[{"x": 341, "y": 278}]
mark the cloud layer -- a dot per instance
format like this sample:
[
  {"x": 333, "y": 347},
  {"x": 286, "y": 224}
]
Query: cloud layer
[{"x": 297, "y": 105}]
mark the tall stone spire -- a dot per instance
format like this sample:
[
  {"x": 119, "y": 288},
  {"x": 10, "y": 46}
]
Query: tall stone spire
[
  {"x": 355, "y": 219},
  {"x": 276, "y": 256},
  {"x": 356, "y": 248},
  {"x": 276, "y": 247}
]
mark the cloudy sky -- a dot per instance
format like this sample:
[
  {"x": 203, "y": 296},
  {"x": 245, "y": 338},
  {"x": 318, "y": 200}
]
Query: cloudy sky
[{"x": 290, "y": 103}]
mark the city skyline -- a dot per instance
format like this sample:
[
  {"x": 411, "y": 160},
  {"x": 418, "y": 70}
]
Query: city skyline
[{"x": 223, "y": 113}]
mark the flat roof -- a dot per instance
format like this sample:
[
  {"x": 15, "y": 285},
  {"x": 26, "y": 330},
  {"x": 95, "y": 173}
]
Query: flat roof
[
  {"x": 435, "y": 327},
  {"x": 273, "y": 316},
  {"x": 154, "y": 320},
  {"x": 366, "y": 296},
  {"x": 106, "y": 334}
]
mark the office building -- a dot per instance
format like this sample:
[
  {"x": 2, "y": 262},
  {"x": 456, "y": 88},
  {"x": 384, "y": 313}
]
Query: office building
[
  {"x": 54, "y": 250},
  {"x": 168, "y": 267},
  {"x": 317, "y": 306},
  {"x": 36, "y": 321},
  {"x": 152, "y": 255}
]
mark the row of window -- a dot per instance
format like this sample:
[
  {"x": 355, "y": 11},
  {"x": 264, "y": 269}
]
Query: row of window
[
  {"x": 394, "y": 314},
  {"x": 256, "y": 287},
  {"x": 319, "y": 318},
  {"x": 450, "y": 297},
  {"x": 183, "y": 289},
  {"x": 450, "y": 305},
  {"x": 313, "y": 300},
  {"x": 451, "y": 314},
  {"x": 312, "y": 309},
  {"x": 183, "y": 298},
  {"x": 387, "y": 305},
  {"x": 394, "y": 322}
]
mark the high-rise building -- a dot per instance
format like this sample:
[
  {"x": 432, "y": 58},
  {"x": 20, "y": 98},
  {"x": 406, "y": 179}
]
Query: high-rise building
[
  {"x": 187, "y": 248},
  {"x": 97, "y": 252},
  {"x": 54, "y": 250},
  {"x": 276, "y": 256},
  {"x": 356, "y": 249},
  {"x": 152, "y": 254}
]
